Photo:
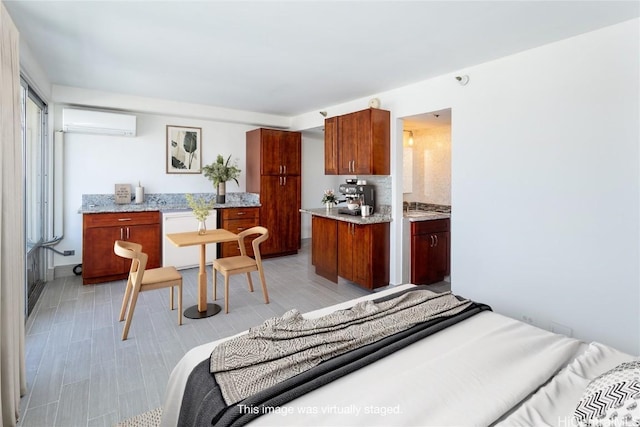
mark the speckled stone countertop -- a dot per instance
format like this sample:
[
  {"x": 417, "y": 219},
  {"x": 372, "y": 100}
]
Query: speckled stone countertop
[
  {"x": 417, "y": 211},
  {"x": 333, "y": 214},
  {"x": 164, "y": 202},
  {"x": 424, "y": 215}
]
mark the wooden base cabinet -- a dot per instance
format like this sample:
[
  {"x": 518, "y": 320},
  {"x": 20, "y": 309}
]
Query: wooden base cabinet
[
  {"x": 324, "y": 247},
  {"x": 356, "y": 252},
  {"x": 236, "y": 220},
  {"x": 99, "y": 233},
  {"x": 430, "y": 251},
  {"x": 363, "y": 253}
]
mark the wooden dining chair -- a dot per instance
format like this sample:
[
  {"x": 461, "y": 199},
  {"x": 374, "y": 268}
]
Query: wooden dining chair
[
  {"x": 242, "y": 264},
  {"x": 142, "y": 279}
]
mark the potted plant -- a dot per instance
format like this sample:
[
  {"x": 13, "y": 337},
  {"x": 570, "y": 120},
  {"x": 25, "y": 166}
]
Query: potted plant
[
  {"x": 219, "y": 173},
  {"x": 201, "y": 209},
  {"x": 329, "y": 199}
]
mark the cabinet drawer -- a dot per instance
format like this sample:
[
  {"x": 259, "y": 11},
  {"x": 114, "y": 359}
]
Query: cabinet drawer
[
  {"x": 228, "y": 249},
  {"x": 239, "y": 213},
  {"x": 120, "y": 219},
  {"x": 430, "y": 226},
  {"x": 239, "y": 225}
]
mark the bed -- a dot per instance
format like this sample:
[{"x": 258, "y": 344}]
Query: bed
[{"x": 486, "y": 369}]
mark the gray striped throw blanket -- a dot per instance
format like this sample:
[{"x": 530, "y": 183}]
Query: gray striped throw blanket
[{"x": 285, "y": 346}]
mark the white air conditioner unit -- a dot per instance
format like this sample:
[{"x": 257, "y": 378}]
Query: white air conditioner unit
[{"x": 98, "y": 122}]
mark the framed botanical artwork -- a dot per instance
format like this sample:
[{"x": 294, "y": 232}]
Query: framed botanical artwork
[{"x": 184, "y": 149}]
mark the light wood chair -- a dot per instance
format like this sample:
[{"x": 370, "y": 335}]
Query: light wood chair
[
  {"x": 242, "y": 264},
  {"x": 140, "y": 280}
]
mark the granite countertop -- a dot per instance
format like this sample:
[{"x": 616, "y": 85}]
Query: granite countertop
[
  {"x": 164, "y": 202},
  {"x": 333, "y": 214},
  {"x": 424, "y": 215},
  {"x": 418, "y": 211}
]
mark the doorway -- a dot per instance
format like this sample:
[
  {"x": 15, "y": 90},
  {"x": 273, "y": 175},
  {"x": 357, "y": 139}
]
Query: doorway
[
  {"x": 427, "y": 159},
  {"x": 426, "y": 181}
]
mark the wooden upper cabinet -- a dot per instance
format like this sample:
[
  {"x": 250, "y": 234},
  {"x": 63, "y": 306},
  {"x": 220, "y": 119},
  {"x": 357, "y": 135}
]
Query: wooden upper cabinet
[
  {"x": 291, "y": 152},
  {"x": 331, "y": 146},
  {"x": 280, "y": 151},
  {"x": 358, "y": 143}
]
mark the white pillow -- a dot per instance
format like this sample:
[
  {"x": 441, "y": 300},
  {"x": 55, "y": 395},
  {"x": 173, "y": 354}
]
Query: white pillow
[{"x": 612, "y": 399}]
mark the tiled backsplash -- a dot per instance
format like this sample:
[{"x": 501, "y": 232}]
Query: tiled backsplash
[
  {"x": 432, "y": 207},
  {"x": 382, "y": 184}
]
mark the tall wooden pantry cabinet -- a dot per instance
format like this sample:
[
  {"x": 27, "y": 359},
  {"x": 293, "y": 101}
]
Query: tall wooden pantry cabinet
[{"x": 274, "y": 159}]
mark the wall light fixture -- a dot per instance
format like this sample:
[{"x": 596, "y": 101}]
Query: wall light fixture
[{"x": 410, "y": 142}]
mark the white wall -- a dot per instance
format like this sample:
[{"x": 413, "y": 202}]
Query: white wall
[
  {"x": 545, "y": 186},
  {"x": 545, "y": 179},
  {"x": 314, "y": 181}
]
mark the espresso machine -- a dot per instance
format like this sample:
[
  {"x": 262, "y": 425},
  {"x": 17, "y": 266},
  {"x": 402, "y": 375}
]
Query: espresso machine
[{"x": 357, "y": 194}]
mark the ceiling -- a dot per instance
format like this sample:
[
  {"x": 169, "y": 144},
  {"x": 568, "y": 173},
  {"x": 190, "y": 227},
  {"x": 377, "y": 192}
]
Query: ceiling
[{"x": 286, "y": 57}]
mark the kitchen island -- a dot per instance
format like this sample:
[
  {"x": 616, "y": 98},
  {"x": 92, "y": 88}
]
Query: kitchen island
[{"x": 353, "y": 247}]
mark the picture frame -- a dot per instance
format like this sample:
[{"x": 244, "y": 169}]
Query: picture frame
[{"x": 184, "y": 149}]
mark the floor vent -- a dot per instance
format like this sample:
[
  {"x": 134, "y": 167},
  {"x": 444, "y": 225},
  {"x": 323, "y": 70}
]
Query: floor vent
[{"x": 34, "y": 294}]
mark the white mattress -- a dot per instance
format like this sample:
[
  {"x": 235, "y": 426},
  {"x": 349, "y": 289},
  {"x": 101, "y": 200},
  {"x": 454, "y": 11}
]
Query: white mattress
[{"x": 472, "y": 373}]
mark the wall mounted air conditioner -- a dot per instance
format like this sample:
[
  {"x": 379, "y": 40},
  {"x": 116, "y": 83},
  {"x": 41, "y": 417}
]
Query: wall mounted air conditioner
[{"x": 98, "y": 122}]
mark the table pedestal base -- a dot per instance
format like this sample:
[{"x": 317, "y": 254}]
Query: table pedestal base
[{"x": 193, "y": 313}]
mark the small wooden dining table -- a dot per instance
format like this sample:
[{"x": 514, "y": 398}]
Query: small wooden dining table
[{"x": 192, "y": 238}]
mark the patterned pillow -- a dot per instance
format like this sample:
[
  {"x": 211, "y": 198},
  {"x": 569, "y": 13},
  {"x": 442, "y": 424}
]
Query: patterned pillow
[{"x": 612, "y": 399}]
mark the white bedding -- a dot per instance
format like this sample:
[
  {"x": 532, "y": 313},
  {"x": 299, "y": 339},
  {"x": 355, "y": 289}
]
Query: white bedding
[
  {"x": 471, "y": 373},
  {"x": 553, "y": 404}
]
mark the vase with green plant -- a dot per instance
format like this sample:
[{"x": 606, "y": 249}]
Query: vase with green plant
[
  {"x": 201, "y": 209},
  {"x": 219, "y": 172},
  {"x": 329, "y": 199}
]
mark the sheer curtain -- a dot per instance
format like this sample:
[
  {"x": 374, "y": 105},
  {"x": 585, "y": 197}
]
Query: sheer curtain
[{"x": 12, "y": 246}]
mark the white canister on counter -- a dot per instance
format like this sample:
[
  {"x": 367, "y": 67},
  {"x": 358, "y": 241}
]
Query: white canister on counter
[{"x": 139, "y": 193}]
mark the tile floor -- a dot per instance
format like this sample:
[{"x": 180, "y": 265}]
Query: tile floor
[{"x": 79, "y": 371}]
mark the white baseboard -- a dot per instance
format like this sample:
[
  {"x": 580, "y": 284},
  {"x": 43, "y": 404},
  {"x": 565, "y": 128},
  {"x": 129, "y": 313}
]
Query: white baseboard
[{"x": 63, "y": 271}]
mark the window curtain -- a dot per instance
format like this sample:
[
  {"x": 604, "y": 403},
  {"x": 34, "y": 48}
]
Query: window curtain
[{"x": 12, "y": 241}]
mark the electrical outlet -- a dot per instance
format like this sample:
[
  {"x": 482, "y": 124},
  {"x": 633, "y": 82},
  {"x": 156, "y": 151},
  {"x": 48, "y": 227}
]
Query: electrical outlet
[{"x": 68, "y": 253}]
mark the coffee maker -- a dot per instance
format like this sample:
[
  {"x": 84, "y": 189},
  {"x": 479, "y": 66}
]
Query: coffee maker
[{"x": 357, "y": 194}]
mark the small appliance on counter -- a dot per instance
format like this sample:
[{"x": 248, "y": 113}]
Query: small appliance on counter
[{"x": 357, "y": 195}]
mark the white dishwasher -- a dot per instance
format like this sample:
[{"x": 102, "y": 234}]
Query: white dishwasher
[{"x": 189, "y": 256}]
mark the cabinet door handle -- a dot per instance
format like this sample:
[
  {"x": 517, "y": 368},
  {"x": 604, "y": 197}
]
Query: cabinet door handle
[
  {"x": 124, "y": 219},
  {"x": 285, "y": 169},
  {"x": 128, "y": 233},
  {"x": 122, "y": 234},
  {"x": 436, "y": 238},
  {"x": 241, "y": 213},
  {"x": 284, "y": 180},
  {"x": 432, "y": 241}
]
